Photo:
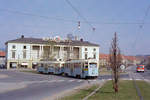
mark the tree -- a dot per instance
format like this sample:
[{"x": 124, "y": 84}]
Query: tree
[
  {"x": 115, "y": 62},
  {"x": 48, "y": 53}
]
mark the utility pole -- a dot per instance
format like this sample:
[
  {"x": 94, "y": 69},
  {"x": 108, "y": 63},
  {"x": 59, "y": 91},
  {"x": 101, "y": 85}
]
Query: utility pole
[{"x": 18, "y": 60}]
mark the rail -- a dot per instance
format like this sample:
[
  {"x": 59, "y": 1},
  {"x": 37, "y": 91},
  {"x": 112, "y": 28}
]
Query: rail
[{"x": 137, "y": 89}]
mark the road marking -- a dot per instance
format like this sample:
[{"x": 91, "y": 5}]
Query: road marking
[
  {"x": 138, "y": 79},
  {"x": 71, "y": 80},
  {"x": 60, "y": 80},
  {"x": 109, "y": 79},
  {"x": 80, "y": 80}
]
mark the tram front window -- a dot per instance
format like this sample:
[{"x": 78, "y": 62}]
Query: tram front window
[{"x": 93, "y": 65}]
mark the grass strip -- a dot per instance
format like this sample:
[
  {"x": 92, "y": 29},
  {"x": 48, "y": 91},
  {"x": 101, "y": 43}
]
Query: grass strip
[
  {"x": 144, "y": 88},
  {"x": 80, "y": 94},
  {"x": 127, "y": 91}
]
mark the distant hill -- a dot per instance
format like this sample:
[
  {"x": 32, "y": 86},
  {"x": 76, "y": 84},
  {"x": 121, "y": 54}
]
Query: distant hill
[{"x": 143, "y": 56}]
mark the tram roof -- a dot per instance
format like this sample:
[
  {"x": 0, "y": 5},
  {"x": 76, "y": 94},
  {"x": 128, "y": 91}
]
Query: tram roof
[
  {"x": 81, "y": 60},
  {"x": 46, "y": 62},
  {"x": 69, "y": 61}
]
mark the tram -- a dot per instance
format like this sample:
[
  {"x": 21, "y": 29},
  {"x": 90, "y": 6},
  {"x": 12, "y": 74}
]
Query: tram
[
  {"x": 50, "y": 67},
  {"x": 81, "y": 68},
  {"x": 74, "y": 68}
]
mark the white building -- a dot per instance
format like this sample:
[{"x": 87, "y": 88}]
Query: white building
[{"x": 26, "y": 52}]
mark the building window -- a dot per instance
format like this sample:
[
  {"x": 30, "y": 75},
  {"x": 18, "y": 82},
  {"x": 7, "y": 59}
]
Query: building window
[
  {"x": 94, "y": 49},
  {"x": 24, "y": 54},
  {"x": 24, "y": 47},
  {"x": 13, "y": 54},
  {"x": 14, "y": 47},
  {"x": 86, "y": 56},
  {"x": 94, "y": 56},
  {"x": 85, "y": 49}
]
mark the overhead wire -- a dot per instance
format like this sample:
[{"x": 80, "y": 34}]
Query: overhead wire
[
  {"x": 34, "y": 15},
  {"x": 80, "y": 15},
  {"x": 66, "y": 20},
  {"x": 141, "y": 27}
]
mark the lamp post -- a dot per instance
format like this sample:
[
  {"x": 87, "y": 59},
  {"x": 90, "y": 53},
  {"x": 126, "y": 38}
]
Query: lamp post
[{"x": 18, "y": 60}]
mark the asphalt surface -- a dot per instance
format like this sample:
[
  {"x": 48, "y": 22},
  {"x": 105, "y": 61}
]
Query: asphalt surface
[
  {"x": 138, "y": 75},
  {"x": 38, "y": 86},
  {"x": 41, "y": 86},
  {"x": 37, "y": 91}
]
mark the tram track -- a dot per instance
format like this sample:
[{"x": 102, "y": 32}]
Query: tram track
[
  {"x": 136, "y": 86},
  {"x": 135, "y": 76}
]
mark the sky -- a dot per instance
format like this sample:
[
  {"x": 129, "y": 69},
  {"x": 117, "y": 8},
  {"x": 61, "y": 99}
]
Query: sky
[{"x": 49, "y": 18}]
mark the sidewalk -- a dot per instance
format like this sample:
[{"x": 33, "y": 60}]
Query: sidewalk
[
  {"x": 5, "y": 87},
  {"x": 73, "y": 90},
  {"x": 3, "y": 76}
]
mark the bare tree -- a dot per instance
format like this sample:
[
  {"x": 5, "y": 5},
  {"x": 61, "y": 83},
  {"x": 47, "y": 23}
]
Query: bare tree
[
  {"x": 48, "y": 53},
  {"x": 115, "y": 62}
]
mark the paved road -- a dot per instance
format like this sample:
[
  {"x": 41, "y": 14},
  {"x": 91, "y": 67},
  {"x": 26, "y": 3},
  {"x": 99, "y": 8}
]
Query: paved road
[
  {"x": 40, "y": 86},
  {"x": 132, "y": 73},
  {"x": 38, "y": 91}
]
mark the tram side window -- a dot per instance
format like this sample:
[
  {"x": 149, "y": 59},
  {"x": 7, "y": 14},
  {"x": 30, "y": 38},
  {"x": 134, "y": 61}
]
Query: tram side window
[
  {"x": 42, "y": 65},
  {"x": 76, "y": 65},
  {"x": 81, "y": 65},
  {"x": 39, "y": 65},
  {"x": 71, "y": 65},
  {"x": 63, "y": 65},
  {"x": 68, "y": 65}
]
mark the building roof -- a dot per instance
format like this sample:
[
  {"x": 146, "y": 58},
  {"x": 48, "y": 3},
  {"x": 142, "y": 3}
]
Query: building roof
[
  {"x": 2, "y": 54},
  {"x": 41, "y": 41},
  {"x": 131, "y": 58},
  {"x": 104, "y": 56}
]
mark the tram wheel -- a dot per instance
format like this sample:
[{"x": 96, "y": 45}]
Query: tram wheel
[
  {"x": 78, "y": 76},
  {"x": 66, "y": 74}
]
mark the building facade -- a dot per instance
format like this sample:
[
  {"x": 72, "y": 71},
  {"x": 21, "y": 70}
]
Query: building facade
[
  {"x": 126, "y": 60},
  {"x": 130, "y": 60},
  {"x": 103, "y": 60},
  {"x": 2, "y": 58},
  {"x": 26, "y": 52}
]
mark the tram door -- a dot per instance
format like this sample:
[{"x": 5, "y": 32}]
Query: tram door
[
  {"x": 83, "y": 67},
  {"x": 72, "y": 67}
]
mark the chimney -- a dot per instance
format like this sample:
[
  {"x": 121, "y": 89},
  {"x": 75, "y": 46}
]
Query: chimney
[
  {"x": 81, "y": 39},
  {"x": 22, "y": 36},
  {"x": 76, "y": 38}
]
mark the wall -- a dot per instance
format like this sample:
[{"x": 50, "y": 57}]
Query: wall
[{"x": 31, "y": 55}]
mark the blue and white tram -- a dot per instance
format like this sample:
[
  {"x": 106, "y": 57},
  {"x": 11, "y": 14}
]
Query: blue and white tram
[
  {"x": 81, "y": 68},
  {"x": 50, "y": 67}
]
